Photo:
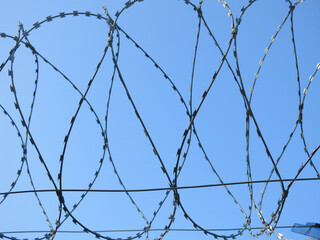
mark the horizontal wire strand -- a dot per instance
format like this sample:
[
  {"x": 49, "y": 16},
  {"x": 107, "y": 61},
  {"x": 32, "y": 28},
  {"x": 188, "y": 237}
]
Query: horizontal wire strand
[
  {"x": 154, "y": 230},
  {"x": 160, "y": 189}
]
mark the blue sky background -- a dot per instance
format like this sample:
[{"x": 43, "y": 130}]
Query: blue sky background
[{"x": 167, "y": 31}]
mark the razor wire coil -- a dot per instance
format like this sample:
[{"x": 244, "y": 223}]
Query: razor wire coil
[{"x": 190, "y": 133}]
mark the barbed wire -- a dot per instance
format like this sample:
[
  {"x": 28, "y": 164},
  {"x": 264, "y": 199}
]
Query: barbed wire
[{"x": 112, "y": 46}]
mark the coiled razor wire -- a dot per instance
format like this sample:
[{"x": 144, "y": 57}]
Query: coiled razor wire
[{"x": 113, "y": 47}]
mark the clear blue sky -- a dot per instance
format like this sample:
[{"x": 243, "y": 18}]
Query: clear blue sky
[{"x": 167, "y": 31}]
